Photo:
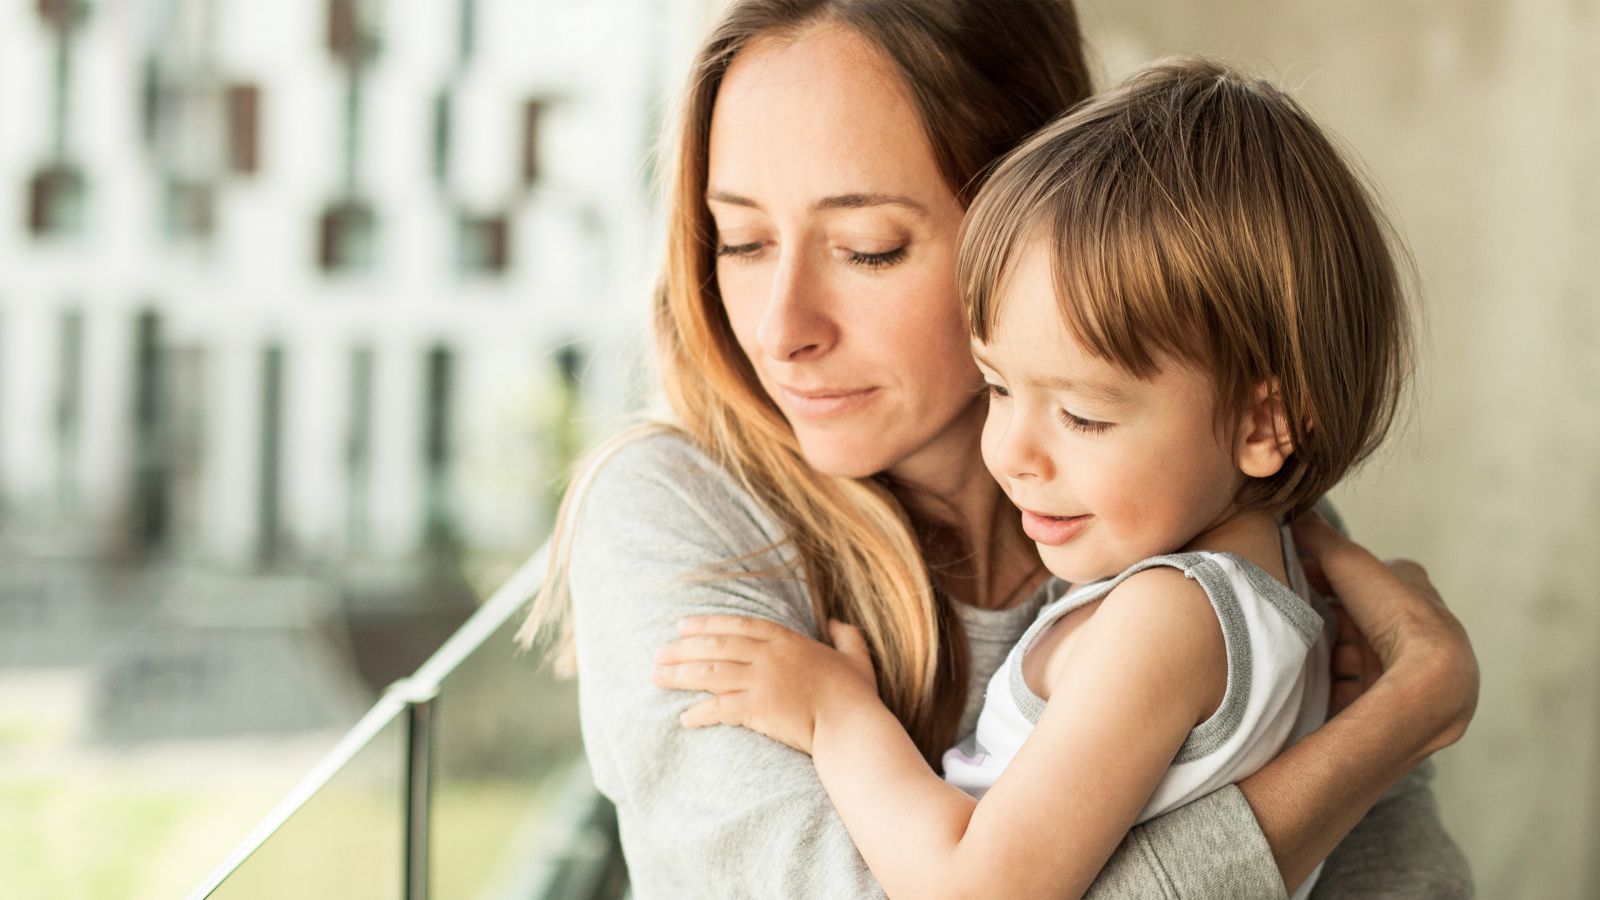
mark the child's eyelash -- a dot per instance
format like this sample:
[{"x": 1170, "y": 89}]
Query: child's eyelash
[
  {"x": 1078, "y": 423},
  {"x": 993, "y": 391}
]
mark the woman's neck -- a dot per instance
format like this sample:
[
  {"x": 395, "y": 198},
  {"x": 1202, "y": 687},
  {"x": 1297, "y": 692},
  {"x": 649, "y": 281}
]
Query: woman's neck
[{"x": 947, "y": 483}]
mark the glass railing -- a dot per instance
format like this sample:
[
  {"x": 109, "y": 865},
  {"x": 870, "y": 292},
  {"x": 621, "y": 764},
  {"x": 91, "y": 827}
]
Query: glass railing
[{"x": 465, "y": 780}]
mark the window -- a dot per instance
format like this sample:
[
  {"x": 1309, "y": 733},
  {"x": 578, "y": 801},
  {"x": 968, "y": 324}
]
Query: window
[
  {"x": 243, "y": 109},
  {"x": 532, "y": 114},
  {"x": 190, "y": 210},
  {"x": 346, "y": 237},
  {"x": 443, "y": 116},
  {"x": 69, "y": 408},
  {"x": 150, "y": 451},
  {"x": 56, "y": 199},
  {"x": 352, "y": 39},
  {"x": 63, "y": 14},
  {"x": 269, "y": 537},
  {"x": 358, "y": 447},
  {"x": 484, "y": 245},
  {"x": 439, "y": 526}
]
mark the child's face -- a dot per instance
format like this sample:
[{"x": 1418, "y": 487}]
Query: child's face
[{"x": 1107, "y": 468}]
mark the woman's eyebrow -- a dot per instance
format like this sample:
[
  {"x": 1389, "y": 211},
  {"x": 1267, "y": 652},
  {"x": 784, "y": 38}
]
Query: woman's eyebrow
[
  {"x": 838, "y": 201},
  {"x": 861, "y": 201}
]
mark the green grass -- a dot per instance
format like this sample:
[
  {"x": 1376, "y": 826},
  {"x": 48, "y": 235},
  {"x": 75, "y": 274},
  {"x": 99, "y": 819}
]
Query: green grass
[{"x": 60, "y": 838}]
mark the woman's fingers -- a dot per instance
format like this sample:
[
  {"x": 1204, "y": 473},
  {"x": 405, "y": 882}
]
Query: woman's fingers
[
  {"x": 1372, "y": 594},
  {"x": 1405, "y": 623},
  {"x": 1348, "y": 662},
  {"x": 1354, "y": 666},
  {"x": 1348, "y": 632}
]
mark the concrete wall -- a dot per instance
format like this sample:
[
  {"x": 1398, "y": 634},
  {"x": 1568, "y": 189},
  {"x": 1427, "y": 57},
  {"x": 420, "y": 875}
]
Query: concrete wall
[{"x": 1481, "y": 121}]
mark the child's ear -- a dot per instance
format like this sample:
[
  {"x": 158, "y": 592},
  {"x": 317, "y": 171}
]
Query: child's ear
[{"x": 1264, "y": 442}]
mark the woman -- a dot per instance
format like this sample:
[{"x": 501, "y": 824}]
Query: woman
[{"x": 823, "y": 463}]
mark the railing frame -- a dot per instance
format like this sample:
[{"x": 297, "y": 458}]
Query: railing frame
[{"x": 413, "y": 697}]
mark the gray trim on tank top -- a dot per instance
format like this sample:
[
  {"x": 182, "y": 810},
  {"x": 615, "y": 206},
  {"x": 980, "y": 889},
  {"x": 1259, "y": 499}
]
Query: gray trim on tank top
[{"x": 1210, "y": 735}]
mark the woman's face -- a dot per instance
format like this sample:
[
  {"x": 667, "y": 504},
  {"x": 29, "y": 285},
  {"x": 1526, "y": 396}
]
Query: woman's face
[{"x": 836, "y": 247}]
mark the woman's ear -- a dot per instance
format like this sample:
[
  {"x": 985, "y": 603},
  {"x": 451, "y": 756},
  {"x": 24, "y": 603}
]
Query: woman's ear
[{"x": 1264, "y": 442}]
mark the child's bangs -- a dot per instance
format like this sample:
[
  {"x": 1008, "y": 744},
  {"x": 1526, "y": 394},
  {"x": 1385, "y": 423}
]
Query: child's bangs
[
  {"x": 1119, "y": 275},
  {"x": 1112, "y": 253}
]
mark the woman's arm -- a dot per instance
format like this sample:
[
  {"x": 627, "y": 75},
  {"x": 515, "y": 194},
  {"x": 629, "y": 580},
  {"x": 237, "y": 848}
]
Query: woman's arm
[
  {"x": 1310, "y": 797},
  {"x": 726, "y": 812},
  {"x": 714, "y": 813},
  {"x": 1143, "y": 670},
  {"x": 1246, "y": 841}
]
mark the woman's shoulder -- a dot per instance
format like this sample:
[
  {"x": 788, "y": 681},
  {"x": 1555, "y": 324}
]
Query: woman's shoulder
[
  {"x": 650, "y": 463},
  {"x": 659, "y": 529},
  {"x": 654, "y": 480}
]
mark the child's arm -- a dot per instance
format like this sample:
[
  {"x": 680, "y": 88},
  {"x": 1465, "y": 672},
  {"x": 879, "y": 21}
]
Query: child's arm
[{"x": 1141, "y": 673}]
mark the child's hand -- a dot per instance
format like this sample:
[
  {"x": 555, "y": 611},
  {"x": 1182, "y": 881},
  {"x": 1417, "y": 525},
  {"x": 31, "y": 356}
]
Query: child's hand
[{"x": 766, "y": 677}]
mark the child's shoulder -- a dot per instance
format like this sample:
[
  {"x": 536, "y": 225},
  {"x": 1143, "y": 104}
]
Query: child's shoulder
[
  {"x": 1162, "y": 598},
  {"x": 1154, "y": 626}
]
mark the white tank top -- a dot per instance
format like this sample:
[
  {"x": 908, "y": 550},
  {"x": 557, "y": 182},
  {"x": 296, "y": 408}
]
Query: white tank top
[{"x": 1277, "y": 690}]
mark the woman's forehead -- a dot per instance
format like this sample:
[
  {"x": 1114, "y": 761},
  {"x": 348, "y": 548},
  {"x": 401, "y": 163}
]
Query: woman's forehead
[{"x": 816, "y": 116}]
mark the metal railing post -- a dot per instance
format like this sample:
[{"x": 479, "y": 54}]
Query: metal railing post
[{"x": 419, "y": 786}]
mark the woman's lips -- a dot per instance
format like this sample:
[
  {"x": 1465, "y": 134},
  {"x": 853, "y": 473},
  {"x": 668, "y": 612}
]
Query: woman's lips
[
  {"x": 1052, "y": 530},
  {"x": 825, "y": 402}
]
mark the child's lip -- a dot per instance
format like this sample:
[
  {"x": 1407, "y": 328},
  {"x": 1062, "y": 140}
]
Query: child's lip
[{"x": 1051, "y": 530}]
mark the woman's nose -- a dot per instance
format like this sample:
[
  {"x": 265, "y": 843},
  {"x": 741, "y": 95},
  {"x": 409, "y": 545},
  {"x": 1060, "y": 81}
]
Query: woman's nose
[{"x": 796, "y": 325}]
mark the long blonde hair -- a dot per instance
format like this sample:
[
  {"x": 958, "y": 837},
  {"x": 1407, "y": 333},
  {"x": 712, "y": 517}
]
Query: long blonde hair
[{"x": 982, "y": 75}]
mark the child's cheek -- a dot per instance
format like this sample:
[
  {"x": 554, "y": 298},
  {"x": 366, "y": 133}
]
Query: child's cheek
[{"x": 994, "y": 428}]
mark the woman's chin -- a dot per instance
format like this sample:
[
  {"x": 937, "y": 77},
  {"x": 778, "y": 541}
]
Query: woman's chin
[{"x": 839, "y": 456}]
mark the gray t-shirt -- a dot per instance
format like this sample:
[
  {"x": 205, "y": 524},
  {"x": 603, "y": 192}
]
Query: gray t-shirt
[{"x": 724, "y": 812}]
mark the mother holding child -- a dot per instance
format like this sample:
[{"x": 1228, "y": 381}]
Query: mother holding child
[{"x": 1187, "y": 324}]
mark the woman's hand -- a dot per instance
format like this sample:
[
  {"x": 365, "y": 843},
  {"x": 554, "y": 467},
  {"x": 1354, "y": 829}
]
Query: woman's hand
[
  {"x": 1354, "y": 664},
  {"x": 1418, "y": 646},
  {"x": 766, "y": 677}
]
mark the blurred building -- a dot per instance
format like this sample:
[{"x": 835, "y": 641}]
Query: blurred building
[{"x": 313, "y": 281}]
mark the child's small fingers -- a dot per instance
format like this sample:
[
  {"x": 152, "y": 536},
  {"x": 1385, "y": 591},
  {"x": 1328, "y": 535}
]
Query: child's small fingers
[
  {"x": 709, "y": 647},
  {"x": 716, "y": 676},
  {"x": 745, "y": 626},
  {"x": 723, "y": 709}
]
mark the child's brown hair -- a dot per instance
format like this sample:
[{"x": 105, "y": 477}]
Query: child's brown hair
[{"x": 1200, "y": 216}]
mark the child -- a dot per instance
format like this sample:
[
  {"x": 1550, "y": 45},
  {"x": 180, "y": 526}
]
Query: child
[{"x": 1191, "y": 327}]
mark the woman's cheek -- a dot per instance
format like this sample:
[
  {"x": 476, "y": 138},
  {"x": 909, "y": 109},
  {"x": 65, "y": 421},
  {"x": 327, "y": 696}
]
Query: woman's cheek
[{"x": 741, "y": 295}]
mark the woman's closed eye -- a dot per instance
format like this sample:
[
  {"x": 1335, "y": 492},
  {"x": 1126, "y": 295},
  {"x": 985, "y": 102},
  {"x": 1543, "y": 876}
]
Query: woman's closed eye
[
  {"x": 875, "y": 260},
  {"x": 739, "y": 251}
]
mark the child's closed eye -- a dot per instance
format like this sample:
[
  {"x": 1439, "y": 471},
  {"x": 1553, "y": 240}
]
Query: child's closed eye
[{"x": 1079, "y": 423}]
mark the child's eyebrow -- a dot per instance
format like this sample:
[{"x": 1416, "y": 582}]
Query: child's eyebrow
[
  {"x": 1093, "y": 390},
  {"x": 1090, "y": 389}
]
